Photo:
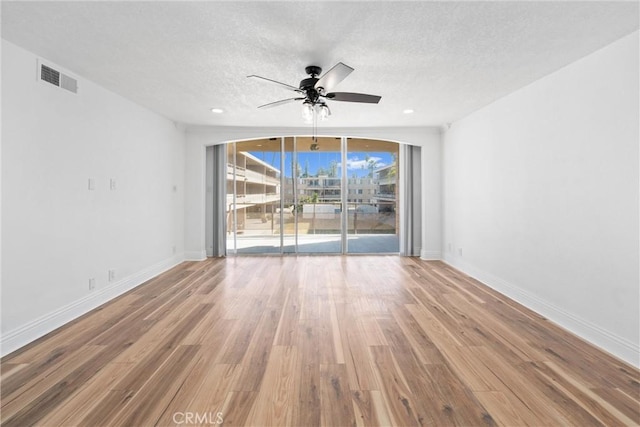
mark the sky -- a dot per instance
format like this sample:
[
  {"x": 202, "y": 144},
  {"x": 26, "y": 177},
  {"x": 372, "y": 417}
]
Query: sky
[{"x": 356, "y": 162}]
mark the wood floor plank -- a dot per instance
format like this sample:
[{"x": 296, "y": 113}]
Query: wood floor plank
[
  {"x": 9, "y": 369},
  {"x": 497, "y": 333},
  {"x": 278, "y": 394},
  {"x": 149, "y": 403},
  {"x": 370, "y": 409},
  {"x": 315, "y": 340},
  {"x": 38, "y": 388},
  {"x": 204, "y": 392},
  {"x": 621, "y": 401},
  {"x": 501, "y": 409},
  {"x": 330, "y": 348},
  {"x": 438, "y": 332},
  {"x": 241, "y": 336},
  {"x": 130, "y": 384},
  {"x": 88, "y": 396},
  {"x": 415, "y": 376},
  {"x": 457, "y": 405},
  {"x": 357, "y": 359},
  {"x": 424, "y": 349},
  {"x": 75, "y": 334},
  {"x": 236, "y": 407},
  {"x": 336, "y": 407},
  {"x": 583, "y": 397},
  {"x": 289, "y": 319},
  {"x": 306, "y": 412},
  {"x": 255, "y": 361},
  {"x": 512, "y": 381},
  {"x": 397, "y": 395}
]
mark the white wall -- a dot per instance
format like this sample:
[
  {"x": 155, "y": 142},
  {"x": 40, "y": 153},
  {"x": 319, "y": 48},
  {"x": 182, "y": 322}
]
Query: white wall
[
  {"x": 57, "y": 234},
  {"x": 198, "y": 138},
  {"x": 541, "y": 197}
]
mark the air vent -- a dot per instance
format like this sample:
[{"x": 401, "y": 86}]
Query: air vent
[
  {"x": 69, "y": 84},
  {"x": 56, "y": 78},
  {"x": 50, "y": 75}
]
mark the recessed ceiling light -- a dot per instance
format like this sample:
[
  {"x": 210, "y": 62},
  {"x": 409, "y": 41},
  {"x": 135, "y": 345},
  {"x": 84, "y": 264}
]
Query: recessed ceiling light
[
  {"x": 217, "y": 110},
  {"x": 407, "y": 111}
]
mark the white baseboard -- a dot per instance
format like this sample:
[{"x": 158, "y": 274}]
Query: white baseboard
[
  {"x": 195, "y": 255},
  {"x": 41, "y": 326},
  {"x": 617, "y": 346},
  {"x": 430, "y": 255}
]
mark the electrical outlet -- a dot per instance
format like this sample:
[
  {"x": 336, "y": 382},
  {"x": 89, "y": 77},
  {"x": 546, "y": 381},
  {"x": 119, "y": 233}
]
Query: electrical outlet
[
  {"x": 92, "y": 184},
  {"x": 460, "y": 251},
  {"x": 112, "y": 184},
  {"x": 92, "y": 284},
  {"x": 112, "y": 275}
]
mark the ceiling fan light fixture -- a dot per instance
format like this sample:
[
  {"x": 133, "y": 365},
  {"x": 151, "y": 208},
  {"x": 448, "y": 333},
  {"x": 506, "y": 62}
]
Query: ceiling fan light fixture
[
  {"x": 324, "y": 112},
  {"x": 307, "y": 111}
]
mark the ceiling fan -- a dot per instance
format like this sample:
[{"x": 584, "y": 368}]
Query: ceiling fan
[{"x": 314, "y": 91}]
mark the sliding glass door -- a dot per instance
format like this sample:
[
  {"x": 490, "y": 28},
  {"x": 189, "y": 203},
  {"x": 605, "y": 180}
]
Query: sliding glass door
[
  {"x": 319, "y": 201},
  {"x": 372, "y": 184},
  {"x": 253, "y": 196},
  {"x": 312, "y": 195}
]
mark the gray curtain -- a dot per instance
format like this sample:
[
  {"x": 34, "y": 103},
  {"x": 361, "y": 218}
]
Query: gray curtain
[
  {"x": 219, "y": 193},
  {"x": 410, "y": 197}
]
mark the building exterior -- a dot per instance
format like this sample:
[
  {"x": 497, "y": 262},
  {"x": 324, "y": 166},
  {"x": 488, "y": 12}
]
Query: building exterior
[
  {"x": 254, "y": 194},
  {"x": 360, "y": 190},
  {"x": 386, "y": 195}
]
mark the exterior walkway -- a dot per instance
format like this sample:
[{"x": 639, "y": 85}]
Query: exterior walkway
[{"x": 318, "y": 244}]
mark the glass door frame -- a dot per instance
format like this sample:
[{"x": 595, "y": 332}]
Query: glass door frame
[
  {"x": 344, "y": 197},
  {"x": 295, "y": 180}
]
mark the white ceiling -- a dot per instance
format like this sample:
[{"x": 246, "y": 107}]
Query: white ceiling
[{"x": 442, "y": 59}]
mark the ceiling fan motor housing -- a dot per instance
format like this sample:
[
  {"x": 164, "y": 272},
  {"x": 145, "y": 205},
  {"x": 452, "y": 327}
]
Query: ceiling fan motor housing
[
  {"x": 308, "y": 83},
  {"x": 313, "y": 70},
  {"x": 308, "y": 86}
]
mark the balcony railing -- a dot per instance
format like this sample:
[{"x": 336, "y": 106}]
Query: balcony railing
[
  {"x": 253, "y": 199},
  {"x": 259, "y": 178},
  {"x": 390, "y": 180},
  {"x": 386, "y": 196},
  {"x": 247, "y": 175}
]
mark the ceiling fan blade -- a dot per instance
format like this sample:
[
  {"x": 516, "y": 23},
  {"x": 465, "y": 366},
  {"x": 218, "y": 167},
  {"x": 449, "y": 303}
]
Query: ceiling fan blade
[
  {"x": 334, "y": 76},
  {"x": 354, "y": 97},
  {"x": 281, "y": 102},
  {"x": 276, "y": 82}
]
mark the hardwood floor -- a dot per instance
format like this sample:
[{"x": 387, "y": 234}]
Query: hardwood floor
[{"x": 320, "y": 340}]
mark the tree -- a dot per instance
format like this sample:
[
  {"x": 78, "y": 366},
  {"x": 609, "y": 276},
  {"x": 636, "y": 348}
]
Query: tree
[
  {"x": 305, "y": 200},
  {"x": 394, "y": 165},
  {"x": 370, "y": 164},
  {"x": 306, "y": 169},
  {"x": 333, "y": 169}
]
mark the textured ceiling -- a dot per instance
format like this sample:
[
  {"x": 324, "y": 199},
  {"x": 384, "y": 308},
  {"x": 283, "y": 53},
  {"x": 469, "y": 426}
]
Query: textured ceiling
[{"x": 441, "y": 59}]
